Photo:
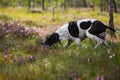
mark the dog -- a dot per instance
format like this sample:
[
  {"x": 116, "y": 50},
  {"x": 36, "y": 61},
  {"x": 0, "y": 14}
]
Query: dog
[{"x": 77, "y": 31}]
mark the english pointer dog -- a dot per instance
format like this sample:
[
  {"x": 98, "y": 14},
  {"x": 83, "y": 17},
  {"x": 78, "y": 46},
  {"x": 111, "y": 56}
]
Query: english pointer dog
[{"x": 77, "y": 31}]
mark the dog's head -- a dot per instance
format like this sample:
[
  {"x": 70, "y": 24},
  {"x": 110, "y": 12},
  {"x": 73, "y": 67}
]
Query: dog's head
[{"x": 52, "y": 39}]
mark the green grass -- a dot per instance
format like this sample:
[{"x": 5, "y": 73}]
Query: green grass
[
  {"x": 24, "y": 59},
  {"x": 52, "y": 64}
]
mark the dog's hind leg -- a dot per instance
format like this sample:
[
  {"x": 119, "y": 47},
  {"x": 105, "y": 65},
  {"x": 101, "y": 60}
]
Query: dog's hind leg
[
  {"x": 103, "y": 36},
  {"x": 99, "y": 40},
  {"x": 68, "y": 43}
]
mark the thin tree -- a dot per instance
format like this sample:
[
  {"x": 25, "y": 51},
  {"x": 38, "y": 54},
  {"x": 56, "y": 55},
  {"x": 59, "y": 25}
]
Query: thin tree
[
  {"x": 29, "y": 4},
  {"x": 77, "y": 3},
  {"x": 84, "y": 3},
  {"x": 115, "y": 7},
  {"x": 103, "y": 5},
  {"x": 111, "y": 19},
  {"x": 56, "y": 3},
  {"x": 64, "y": 4},
  {"x": 43, "y": 5}
]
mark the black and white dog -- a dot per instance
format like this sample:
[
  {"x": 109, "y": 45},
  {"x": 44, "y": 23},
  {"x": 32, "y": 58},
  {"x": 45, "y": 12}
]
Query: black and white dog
[{"x": 79, "y": 30}]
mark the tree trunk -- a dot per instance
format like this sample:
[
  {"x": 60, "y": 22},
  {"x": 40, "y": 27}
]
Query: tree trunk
[
  {"x": 103, "y": 5},
  {"x": 29, "y": 4},
  {"x": 56, "y": 3},
  {"x": 115, "y": 7},
  {"x": 64, "y": 4},
  {"x": 84, "y": 3},
  {"x": 111, "y": 19},
  {"x": 32, "y": 4},
  {"x": 53, "y": 14},
  {"x": 77, "y": 3},
  {"x": 43, "y": 6}
]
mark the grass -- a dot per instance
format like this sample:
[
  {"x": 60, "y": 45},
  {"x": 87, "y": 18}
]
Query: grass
[{"x": 24, "y": 59}]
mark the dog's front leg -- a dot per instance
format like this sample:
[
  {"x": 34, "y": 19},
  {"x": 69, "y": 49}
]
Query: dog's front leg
[{"x": 68, "y": 43}]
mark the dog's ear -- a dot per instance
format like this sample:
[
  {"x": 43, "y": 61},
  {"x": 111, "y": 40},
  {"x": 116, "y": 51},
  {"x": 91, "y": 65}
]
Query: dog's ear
[
  {"x": 52, "y": 39},
  {"x": 55, "y": 37}
]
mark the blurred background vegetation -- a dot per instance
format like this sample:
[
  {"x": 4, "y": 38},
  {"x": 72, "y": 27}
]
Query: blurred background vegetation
[{"x": 55, "y": 3}]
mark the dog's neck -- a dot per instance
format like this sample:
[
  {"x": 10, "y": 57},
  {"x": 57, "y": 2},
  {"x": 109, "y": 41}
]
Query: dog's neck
[{"x": 63, "y": 32}]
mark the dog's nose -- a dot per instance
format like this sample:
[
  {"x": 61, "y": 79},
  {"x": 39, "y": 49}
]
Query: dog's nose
[{"x": 42, "y": 43}]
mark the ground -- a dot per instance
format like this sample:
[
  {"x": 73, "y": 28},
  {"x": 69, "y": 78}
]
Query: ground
[{"x": 23, "y": 58}]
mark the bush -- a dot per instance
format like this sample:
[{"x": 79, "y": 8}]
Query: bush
[{"x": 13, "y": 29}]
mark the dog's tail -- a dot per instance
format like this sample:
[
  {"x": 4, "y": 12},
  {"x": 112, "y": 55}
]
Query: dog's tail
[{"x": 110, "y": 28}]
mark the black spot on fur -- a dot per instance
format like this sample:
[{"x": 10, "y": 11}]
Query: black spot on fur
[
  {"x": 85, "y": 25},
  {"x": 52, "y": 39},
  {"x": 73, "y": 29},
  {"x": 97, "y": 28}
]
